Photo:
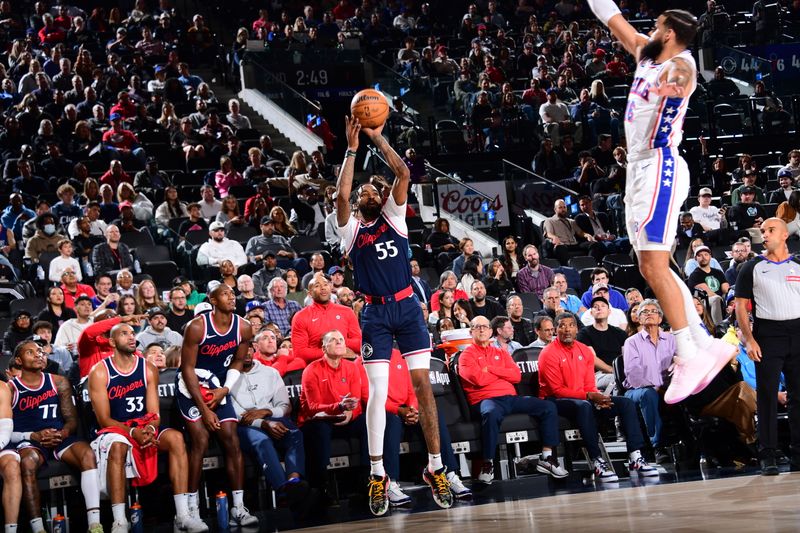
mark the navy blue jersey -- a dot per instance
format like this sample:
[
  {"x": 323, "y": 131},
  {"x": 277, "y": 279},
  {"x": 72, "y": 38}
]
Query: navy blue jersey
[
  {"x": 127, "y": 393},
  {"x": 379, "y": 251},
  {"x": 36, "y": 409},
  {"x": 217, "y": 349}
]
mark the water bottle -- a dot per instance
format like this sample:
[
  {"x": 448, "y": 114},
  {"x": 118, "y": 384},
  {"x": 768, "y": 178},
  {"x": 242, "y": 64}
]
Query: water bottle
[
  {"x": 222, "y": 511},
  {"x": 59, "y": 524},
  {"x": 136, "y": 518}
]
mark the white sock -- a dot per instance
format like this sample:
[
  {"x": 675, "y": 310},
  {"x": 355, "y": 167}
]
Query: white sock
[
  {"x": 546, "y": 454},
  {"x": 181, "y": 504},
  {"x": 376, "y": 468},
  {"x": 37, "y": 525},
  {"x": 634, "y": 455},
  {"x": 699, "y": 335},
  {"x": 434, "y": 462},
  {"x": 91, "y": 495},
  {"x": 118, "y": 510},
  {"x": 238, "y": 498},
  {"x": 684, "y": 344},
  {"x": 11, "y": 528},
  {"x": 378, "y": 375},
  {"x": 192, "y": 498}
]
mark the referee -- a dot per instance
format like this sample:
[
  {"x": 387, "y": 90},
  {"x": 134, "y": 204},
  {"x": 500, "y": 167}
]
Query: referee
[{"x": 771, "y": 282}]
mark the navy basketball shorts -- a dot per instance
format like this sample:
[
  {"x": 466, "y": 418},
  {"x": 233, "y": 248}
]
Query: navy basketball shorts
[
  {"x": 49, "y": 454},
  {"x": 382, "y": 325}
]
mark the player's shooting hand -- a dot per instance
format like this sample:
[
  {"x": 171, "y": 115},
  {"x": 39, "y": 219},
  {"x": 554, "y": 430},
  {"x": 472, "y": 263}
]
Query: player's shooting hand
[
  {"x": 373, "y": 133},
  {"x": 211, "y": 421},
  {"x": 217, "y": 395},
  {"x": 352, "y": 127}
]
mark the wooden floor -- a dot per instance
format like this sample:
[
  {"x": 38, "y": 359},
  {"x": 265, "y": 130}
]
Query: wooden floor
[{"x": 730, "y": 505}]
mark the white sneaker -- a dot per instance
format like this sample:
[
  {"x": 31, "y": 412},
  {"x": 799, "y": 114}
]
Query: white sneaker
[
  {"x": 190, "y": 524},
  {"x": 241, "y": 517},
  {"x": 396, "y": 496},
  {"x": 487, "y": 473},
  {"x": 457, "y": 487},
  {"x": 603, "y": 471},
  {"x": 120, "y": 527},
  {"x": 551, "y": 467},
  {"x": 641, "y": 466}
]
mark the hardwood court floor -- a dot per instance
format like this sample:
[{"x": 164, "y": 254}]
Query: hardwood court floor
[{"x": 736, "y": 504}]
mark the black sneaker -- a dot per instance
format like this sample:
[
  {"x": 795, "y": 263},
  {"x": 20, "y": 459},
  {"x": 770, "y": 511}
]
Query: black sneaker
[
  {"x": 768, "y": 465},
  {"x": 486, "y": 475},
  {"x": 378, "y": 490},
  {"x": 296, "y": 490}
]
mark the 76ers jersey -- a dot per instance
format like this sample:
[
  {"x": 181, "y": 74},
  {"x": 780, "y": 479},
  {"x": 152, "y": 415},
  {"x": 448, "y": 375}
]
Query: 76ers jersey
[
  {"x": 36, "y": 409},
  {"x": 654, "y": 121},
  {"x": 127, "y": 393},
  {"x": 217, "y": 349},
  {"x": 379, "y": 251}
]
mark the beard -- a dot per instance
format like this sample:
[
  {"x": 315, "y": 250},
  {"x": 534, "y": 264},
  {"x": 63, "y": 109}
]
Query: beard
[
  {"x": 369, "y": 210},
  {"x": 652, "y": 50}
]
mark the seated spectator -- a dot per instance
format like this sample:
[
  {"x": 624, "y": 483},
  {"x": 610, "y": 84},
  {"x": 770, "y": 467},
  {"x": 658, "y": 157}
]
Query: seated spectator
[
  {"x": 480, "y": 305},
  {"x": 551, "y": 303},
  {"x": 330, "y": 405},
  {"x": 606, "y": 341},
  {"x": 65, "y": 210},
  {"x": 616, "y": 316},
  {"x": 236, "y": 119},
  {"x": 710, "y": 280},
  {"x": 245, "y": 296},
  {"x": 310, "y": 323},
  {"x": 616, "y": 299},
  {"x": 70, "y": 331},
  {"x": 747, "y": 215},
  {"x": 195, "y": 220},
  {"x": 112, "y": 255},
  {"x": 489, "y": 375},
  {"x": 151, "y": 179},
  {"x": 571, "y": 385},
  {"x": 122, "y": 143},
  {"x": 497, "y": 282},
  {"x": 534, "y": 276},
  {"x": 749, "y": 177},
  {"x": 279, "y": 245},
  {"x": 555, "y": 117},
  {"x": 712, "y": 219},
  {"x": 262, "y": 405},
  {"x": 523, "y": 329},
  {"x": 688, "y": 230},
  {"x": 27, "y": 184},
  {"x": 227, "y": 177},
  {"x": 179, "y": 314},
  {"x": 564, "y": 234},
  {"x": 268, "y": 353},
  {"x": 543, "y": 326},
  {"x": 598, "y": 226},
  {"x": 568, "y": 302},
  {"x": 503, "y": 333},
  {"x": 191, "y": 142},
  {"x": 18, "y": 330},
  {"x": 61, "y": 357},
  {"x": 785, "y": 187},
  {"x": 218, "y": 248},
  {"x": 114, "y": 176},
  {"x": 157, "y": 331},
  {"x": 64, "y": 260}
]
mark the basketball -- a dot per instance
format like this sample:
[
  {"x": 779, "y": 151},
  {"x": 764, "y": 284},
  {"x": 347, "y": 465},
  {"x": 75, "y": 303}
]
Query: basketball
[{"x": 370, "y": 107}]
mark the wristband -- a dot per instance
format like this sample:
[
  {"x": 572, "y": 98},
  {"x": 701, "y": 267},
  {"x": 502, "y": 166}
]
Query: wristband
[
  {"x": 130, "y": 433},
  {"x": 152, "y": 427},
  {"x": 231, "y": 377},
  {"x": 604, "y": 9},
  {"x": 27, "y": 435},
  {"x": 349, "y": 153}
]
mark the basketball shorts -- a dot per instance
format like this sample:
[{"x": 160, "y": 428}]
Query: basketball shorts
[
  {"x": 657, "y": 184},
  {"x": 189, "y": 409},
  {"x": 382, "y": 325},
  {"x": 49, "y": 453}
]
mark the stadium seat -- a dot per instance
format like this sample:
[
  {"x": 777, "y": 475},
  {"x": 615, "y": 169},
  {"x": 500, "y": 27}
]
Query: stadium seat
[
  {"x": 152, "y": 253},
  {"x": 530, "y": 304},
  {"x": 581, "y": 262},
  {"x": 134, "y": 239}
]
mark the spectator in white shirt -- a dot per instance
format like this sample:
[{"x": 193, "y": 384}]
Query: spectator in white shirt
[
  {"x": 64, "y": 261},
  {"x": 209, "y": 205},
  {"x": 236, "y": 120},
  {"x": 555, "y": 117},
  {"x": 70, "y": 331},
  {"x": 218, "y": 248}
]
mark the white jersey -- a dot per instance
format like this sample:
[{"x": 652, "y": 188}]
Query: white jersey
[{"x": 654, "y": 121}]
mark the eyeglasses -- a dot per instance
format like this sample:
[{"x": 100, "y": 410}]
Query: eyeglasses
[
  {"x": 481, "y": 326},
  {"x": 649, "y": 312}
]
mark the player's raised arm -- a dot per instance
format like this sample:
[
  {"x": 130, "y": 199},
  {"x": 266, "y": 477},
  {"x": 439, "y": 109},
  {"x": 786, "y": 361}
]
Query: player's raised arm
[
  {"x": 401, "y": 173},
  {"x": 610, "y": 15},
  {"x": 344, "y": 185}
]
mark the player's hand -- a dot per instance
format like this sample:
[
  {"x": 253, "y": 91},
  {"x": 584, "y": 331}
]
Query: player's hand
[
  {"x": 352, "y": 127},
  {"x": 373, "y": 133},
  {"x": 217, "y": 395},
  {"x": 144, "y": 436},
  {"x": 348, "y": 416},
  {"x": 670, "y": 90},
  {"x": 753, "y": 351},
  {"x": 211, "y": 421},
  {"x": 274, "y": 429}
]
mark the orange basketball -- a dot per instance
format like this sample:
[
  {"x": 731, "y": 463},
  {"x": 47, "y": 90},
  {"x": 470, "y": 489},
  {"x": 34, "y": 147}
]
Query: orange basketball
[{"x": 370, "y": 107}]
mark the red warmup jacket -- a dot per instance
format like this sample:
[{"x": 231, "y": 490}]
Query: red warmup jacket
[
  {"x": 325, "y": 386},
  {"x": 401, "y": 390},
  {"x": 80, "y": 288},
  {"x": 487, "y": 372},
  {"x": 283, "y": 363},
  {"x": 312, "y": 322},
  {"x": 146, "y": 459},
  {"x": 93, "y": 344},
  {"x": 566, "y": 372}
]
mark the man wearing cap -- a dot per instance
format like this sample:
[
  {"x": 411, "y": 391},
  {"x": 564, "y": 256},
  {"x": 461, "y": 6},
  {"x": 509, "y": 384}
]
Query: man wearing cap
[
  {"x": 151, "y": 179},
  {"x": 597, "y": 65},
  {"x": 278, "y": 309},
  {"x": 616, "y": 317},
  {"x": 218, "y": 248},
  {"x": 710, "y": 280},
  {"x": 279, "y": 245},
  {"x": 748, "y": 180},
  {"x": 747, "y": 215},
  {"x": 122, "y": 143},
  {"x": 70, "y": 331},
  {"x": 157, "y": 331},
  {"x": 711, "y": 218},
  {"x": 127, "y": 221},
  {"x": 336, "y": 274},
  {"x": 786, "y": 186}
]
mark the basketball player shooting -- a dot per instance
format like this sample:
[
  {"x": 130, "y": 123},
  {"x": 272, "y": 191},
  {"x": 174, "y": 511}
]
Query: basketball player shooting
[
  {"x": 658, "y": 181},
  {"x": 378, "y": 247}
]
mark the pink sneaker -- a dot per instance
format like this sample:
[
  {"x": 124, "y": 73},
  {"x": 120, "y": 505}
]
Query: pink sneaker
[
  {"x": 721, "y": 353},
  {"x": 693, "y": 375}
]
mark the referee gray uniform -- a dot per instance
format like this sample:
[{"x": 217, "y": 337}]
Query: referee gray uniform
[{"x": 774, "y": 290}]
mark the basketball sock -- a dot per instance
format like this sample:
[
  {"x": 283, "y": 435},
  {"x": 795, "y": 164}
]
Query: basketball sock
[
  {"x": 699, "y": 335},
  {"x": 378, "y": 375},
  {"x": 11, "y": 528},
  {"x": 546, "y": 454},
  {"x": 238, "y": 498},
  {"x": 376, "y": 468},
  {"x": 37, "y": 525},
  {"x": 634, "y": 455},
  {"x": 191, "y": 498},
  {"x": 684, "y": 344},
  {"x": 91, "y": 495},
  {"x": 434, "y": 462},
  {"x": 118, "y": 510},
  {"x": 181, "y": 504}
]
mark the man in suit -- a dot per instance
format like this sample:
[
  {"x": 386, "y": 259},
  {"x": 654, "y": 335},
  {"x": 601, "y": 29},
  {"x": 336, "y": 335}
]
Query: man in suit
[
  {"x": 421, "y": 287},
  {"x": 597, "y": 225},
  {"x": 689, "y": 230}
]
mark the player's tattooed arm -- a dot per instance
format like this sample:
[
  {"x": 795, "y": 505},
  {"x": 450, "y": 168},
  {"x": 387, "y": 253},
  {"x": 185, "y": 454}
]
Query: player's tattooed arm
[
  {"x": 344, "y": 185},
  {"x": 67, "y": 403},
  {"x": 676, "y": 81}
]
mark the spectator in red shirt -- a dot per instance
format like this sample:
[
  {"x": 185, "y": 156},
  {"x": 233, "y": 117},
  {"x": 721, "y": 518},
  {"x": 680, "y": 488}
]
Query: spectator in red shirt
[
  {"x": 50, "y": 33},
  {"x": 330, "y": 406},
  {"x": 488, "y": 375},
  {"x": 343, "y": 10},
  {"x": 72, "y": 289},
  {"x": 494, "y": 73},
  {"x": 566, "y": 376},
  {"x": 122, "y": 143},
  {"x": 268, "y": 354},
  {"x": 262, "y": 21},
  {"x": 313, "y": 321},
  {"x": 124, "y": 106},
  {"x": 617, "y": 68},
  {"x": 402, "y": 413},
  {"x": 115, "y": 175}
]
